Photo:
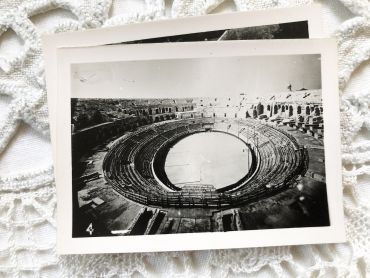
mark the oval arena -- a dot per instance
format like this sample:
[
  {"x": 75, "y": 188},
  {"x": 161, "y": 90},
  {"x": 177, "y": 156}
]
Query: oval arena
[
  {"x": 197, "y": 165},
  {"x": 134, "y": 165}
]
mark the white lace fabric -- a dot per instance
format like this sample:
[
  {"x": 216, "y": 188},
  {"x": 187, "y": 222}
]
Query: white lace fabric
[{"x": 27, "y": 189}]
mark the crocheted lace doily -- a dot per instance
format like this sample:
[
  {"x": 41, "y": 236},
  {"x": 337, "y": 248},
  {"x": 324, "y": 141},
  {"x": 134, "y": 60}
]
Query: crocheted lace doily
[{"x": 27, "y": 189}]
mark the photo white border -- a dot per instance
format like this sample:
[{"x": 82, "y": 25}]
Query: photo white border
[
  {"x": 164, "y": 28},
  {"x": 210, "y": 240}
]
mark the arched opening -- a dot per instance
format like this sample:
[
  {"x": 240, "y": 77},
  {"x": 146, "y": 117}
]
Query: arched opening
[
  {"x": 283, "y": 108},
  {"x": 290, "y": 111},
  {"x": 299, "y": 109},
  {"x": 268, "y": 107},
  {"x": 276, "y": 109},
  {"x": 317, "y": 111},
  {"x": 308, "y": 110},
  {"x": 260, "y": 109},
  {"x": 254, "y": 113}
]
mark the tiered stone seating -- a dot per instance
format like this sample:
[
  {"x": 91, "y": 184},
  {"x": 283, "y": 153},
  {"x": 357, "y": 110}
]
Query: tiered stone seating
[{"x": 127, "y": 166}]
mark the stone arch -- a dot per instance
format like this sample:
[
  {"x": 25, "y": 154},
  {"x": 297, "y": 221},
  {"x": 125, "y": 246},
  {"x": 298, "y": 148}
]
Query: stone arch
[
  {"x": 299, "y": 109},
  {"x": 308, "y": 112}
]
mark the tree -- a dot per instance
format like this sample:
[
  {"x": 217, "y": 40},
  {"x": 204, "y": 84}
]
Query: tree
[
  {"x": 97, "y": 118},
  {"x": 82, "y": 121}
]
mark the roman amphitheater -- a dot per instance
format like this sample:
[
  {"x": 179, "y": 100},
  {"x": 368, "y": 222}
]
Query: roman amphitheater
[{"x": 160, "y": 166}]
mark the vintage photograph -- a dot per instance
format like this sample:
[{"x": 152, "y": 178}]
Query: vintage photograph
[
  {"x": 198, "y": 150},
  {"x": 190, "y": 146}
]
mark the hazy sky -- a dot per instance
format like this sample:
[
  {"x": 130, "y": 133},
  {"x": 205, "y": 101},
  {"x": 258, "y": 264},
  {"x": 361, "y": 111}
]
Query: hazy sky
[{"x": 225, "y": 76}]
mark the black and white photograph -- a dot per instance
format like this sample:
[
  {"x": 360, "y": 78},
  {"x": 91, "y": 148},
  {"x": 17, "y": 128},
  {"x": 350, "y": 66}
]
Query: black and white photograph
[
  {"x": 193, "y": 142},
  {"x": 238, "y": 154}
]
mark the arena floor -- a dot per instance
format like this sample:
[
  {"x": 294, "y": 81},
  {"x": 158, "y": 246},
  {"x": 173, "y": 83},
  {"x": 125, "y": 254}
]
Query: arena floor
[{"x": 208, "y": 158}]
